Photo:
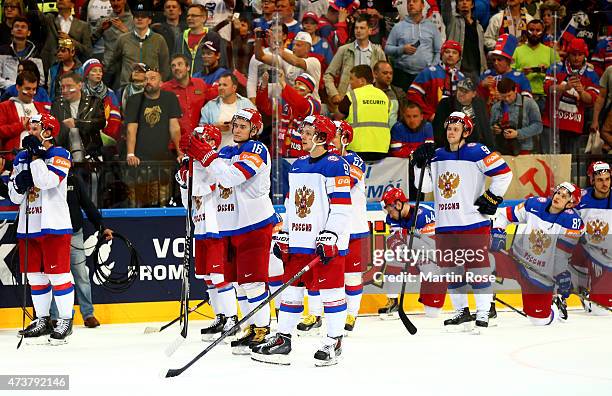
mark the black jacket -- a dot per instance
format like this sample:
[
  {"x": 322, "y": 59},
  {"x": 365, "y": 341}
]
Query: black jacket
[
  {"x": 90, "y": 121},
  {"x": 78, "y": 198},
  {"x": 482, "y": 130}
]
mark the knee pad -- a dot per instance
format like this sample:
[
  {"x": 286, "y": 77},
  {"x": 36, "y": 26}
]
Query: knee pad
[
  {"x": 275, "y": 266},
  {"x": 580, "y": 278},
  {"x": 38, "y": 278},
  {"x": 240, "y": 292},
  {"x": 352, "y": 279},
  {"x": 218, "y": 280},
  {"x": 60, "y": 279},
  {"x": 332, "y": 295},
  {"x": 255, "y": 291},
  {"x": 293, "y": 296}
]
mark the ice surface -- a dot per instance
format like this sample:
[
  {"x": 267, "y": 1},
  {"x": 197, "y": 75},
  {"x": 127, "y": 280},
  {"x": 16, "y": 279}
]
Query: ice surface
[{"x": 514, "y": 358}]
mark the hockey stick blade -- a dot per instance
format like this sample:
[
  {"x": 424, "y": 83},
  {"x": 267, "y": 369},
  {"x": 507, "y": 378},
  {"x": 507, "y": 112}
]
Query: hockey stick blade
[
  {"x": 306, "y": 268},
  {"x": 176, "y": 344},
  {"x": 407, "y": 323},
  {"x": 150, "y": 329},
  {"x": 518, "y": 311}
]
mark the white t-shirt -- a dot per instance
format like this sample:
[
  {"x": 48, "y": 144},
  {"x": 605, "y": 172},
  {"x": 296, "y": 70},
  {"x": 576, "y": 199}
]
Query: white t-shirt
[
  {"x": 226, "y": 113},
  {"x": 217, "y": 12},
  {"x": 313, "y": 67},
  {"x": 96, "y": 10}
]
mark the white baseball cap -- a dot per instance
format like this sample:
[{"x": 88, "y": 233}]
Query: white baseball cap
[{"x": 303, "y": 36}]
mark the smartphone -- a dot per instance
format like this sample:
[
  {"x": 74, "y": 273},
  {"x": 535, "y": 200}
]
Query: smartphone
[
  {"x": 272, "y": 76},
  {"x": 236, "y": 15},
  {"x": 260, "y": 34},
  {"x": 416, "y": 45}
]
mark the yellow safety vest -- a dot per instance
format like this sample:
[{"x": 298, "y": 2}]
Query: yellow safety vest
[
  {"x": 369, "y": 117},
  {"x": 47, "y": 6}
]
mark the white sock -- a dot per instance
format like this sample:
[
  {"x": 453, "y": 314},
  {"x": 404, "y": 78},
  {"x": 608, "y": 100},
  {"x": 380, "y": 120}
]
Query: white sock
[
  {"x": 41, "y": 293},
  {"x": 243, "y": 303},
  {"x": 274, "y": 283},
  {"x": 213, "y": 297},
  {"x": 63, "y": 292},
  {"x": 353, "y": 288},
  {"x": 291, "y": 309},
  {"x": 483, "y": 301},
  {"x": 315, "y": 306},
  {"x": 334, "y": 306},
  {"x": 458, "y": 295},
  {"x": 257, "y": 292}
]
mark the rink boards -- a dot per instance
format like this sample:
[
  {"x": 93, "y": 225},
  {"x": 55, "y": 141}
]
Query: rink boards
[{"x": 158, "y": 235}]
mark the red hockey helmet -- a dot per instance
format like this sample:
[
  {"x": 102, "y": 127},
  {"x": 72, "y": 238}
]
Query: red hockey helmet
[
  {"x": 345, "y": 129},
  {"x": 596, "y": 168},
  {"x": 253, "y": 116},
  {"x": 322, "y": 125},
  {"x": 462, "y": 118},
  {"x": 209, "y": 131},
  {"x": 392, "y": 195},
  {"x": 572, "y": 189},
  {"x": 48, "y": 123}
]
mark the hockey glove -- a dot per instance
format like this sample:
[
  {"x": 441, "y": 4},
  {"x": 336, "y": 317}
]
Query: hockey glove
[
  {"x": 423, "y": 154},
  {"x": 281, "y": 244},
  {"x": 23, "y": 181},
  {"x": 326, "y": 246},
  {"x": 183, "y": 173},
  {"x": 184, "y": 142},
  {"x": 564, "y": 284},
  {"x": 395, "y": 240},
  {"x": 498, "y": 240},
  {"x": 33, "y": 146},
  {"x": 487, "y": 203},
  {"x": 201, "y": 151}
]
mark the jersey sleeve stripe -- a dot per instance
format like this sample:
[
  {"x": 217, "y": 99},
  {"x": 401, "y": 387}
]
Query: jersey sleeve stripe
[
  {"x": 61, "y": 174},
  {"x": 500, "y": 170},
  {"x": 510, "y": 214},
  {"x": 246, "y": 170},
  {"x": 566, "y": 246}
]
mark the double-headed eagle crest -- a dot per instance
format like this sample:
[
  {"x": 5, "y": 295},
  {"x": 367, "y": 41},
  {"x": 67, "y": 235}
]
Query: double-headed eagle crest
[
  {"x": 539, "y": 241},
  {"x": 597, "y": 230},
  {"x": 448, "y": 183},
  {"x": 304, "y": 198}
]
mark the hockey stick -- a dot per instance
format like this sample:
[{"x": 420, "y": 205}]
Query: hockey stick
[
  {"x": 402, "y": 313},
  {"x": 184, "y": 313},
  {"x": 306, "y": 268},
  {"x": 150, "y": 329},
  {"x": 518, "y": 311},
  {"x": 25, "y": 265}
]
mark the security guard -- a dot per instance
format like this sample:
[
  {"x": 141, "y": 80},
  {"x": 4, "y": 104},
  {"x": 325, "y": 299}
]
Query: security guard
[{"x": 367, "y": 109}]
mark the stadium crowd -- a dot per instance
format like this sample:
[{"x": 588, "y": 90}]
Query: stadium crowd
[{"x": 126, "y": 79}]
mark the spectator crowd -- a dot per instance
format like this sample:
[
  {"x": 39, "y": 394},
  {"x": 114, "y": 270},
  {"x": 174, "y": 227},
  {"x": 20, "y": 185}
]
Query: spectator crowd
[{"x": 127, "y": 78}]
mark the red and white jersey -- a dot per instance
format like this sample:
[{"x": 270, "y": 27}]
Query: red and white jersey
[
  {"x": 48, "y": 211},
  {"x": 457, "y": 179},
  {"x": 360, "y": 227},
  {"x": 543, "y": 240},
  {"x": 204, "y": 203},
  {"x": 319, "y": 199},
  {"x": 597, "y": 217},
  {"x": 242, "y": 174}
]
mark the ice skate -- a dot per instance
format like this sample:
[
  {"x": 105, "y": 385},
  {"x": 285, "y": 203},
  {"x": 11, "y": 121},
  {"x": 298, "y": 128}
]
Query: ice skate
[
  {"x": 329, "y": 353},
  {"x": 562, "y": 306},
  {"x": 60, "y": 332},
  {"x": 309, "y": 324},
  {"x": 230, "y": 322},
  {"x": 481, "y": 323},
  {"x": 275, "y": 351},
  {"x": 461, "y": 321},
  {"x": 349, "y": 325},
  {"x": 35, "y": 333},
  {"x": 213, "y": 331},
  {"x": 389, "y": 311},
  {"x": 240, "y": 346}
]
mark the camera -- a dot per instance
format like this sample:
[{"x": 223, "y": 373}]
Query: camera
[{"x": 260, "y": 34}]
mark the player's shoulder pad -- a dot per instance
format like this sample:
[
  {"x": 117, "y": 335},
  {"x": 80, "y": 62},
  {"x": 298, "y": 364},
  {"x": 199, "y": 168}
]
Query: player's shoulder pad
[
  {"x": 517, "y": 73},
  {"x": 476, "y": 152},
  {"x": 21, "y": 158},
  {"x": 256, "y": 147},
  {"x": 335, "y": 165},
  {"x": 570, "y": 219},
  {"x": 432, "y": 68},
  {"x": 227, "y": 152},
  {"x": 535, "y": 203}
]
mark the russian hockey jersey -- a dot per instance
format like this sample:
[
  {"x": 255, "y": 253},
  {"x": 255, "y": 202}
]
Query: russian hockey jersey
[
  {"x": 543, "y": 240},
  {"x": 522, "y": 83},
  {"x": 48, "y": 211},
  {"x": 597, "y": 217},
  {"x": 404, "y": 140},
  {"x": 242, "y": 174},
  {"x": 457, "y": 179},
  {"x": 424, "y": 230},
  {"x": 319, "y": 199},
  {"x": 204, "y": 203},
  {"x": 359, "y": 221}
]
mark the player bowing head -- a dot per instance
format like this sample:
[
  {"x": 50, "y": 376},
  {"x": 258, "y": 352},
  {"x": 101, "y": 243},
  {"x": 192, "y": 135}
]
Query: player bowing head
[
  {"x": 599, "y": 177},
  {"x": 343, "y": 137},
  {"x": 44, "y": 127},
  {"x": 246, "y": 125},
  {"x": 394, "y": 202},
  {"x": 565, "y": 196},
  {"x": 317, "y": 134}
]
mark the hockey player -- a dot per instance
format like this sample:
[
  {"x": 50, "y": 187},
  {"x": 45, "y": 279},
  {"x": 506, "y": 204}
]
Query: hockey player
[
  {"x": 318, "y": 222},
  {"x": 38, "y": 185},
  {"x": 595, "y": 208},
  {"x": 210, "y": 251},
  {"x": 246, "y": 216},
  {"x": 400, "y": 215},
  {"x": 360, "y": 230},
  {"x": 549, "y": 231},
  {"x": 457, "y": 178}
]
